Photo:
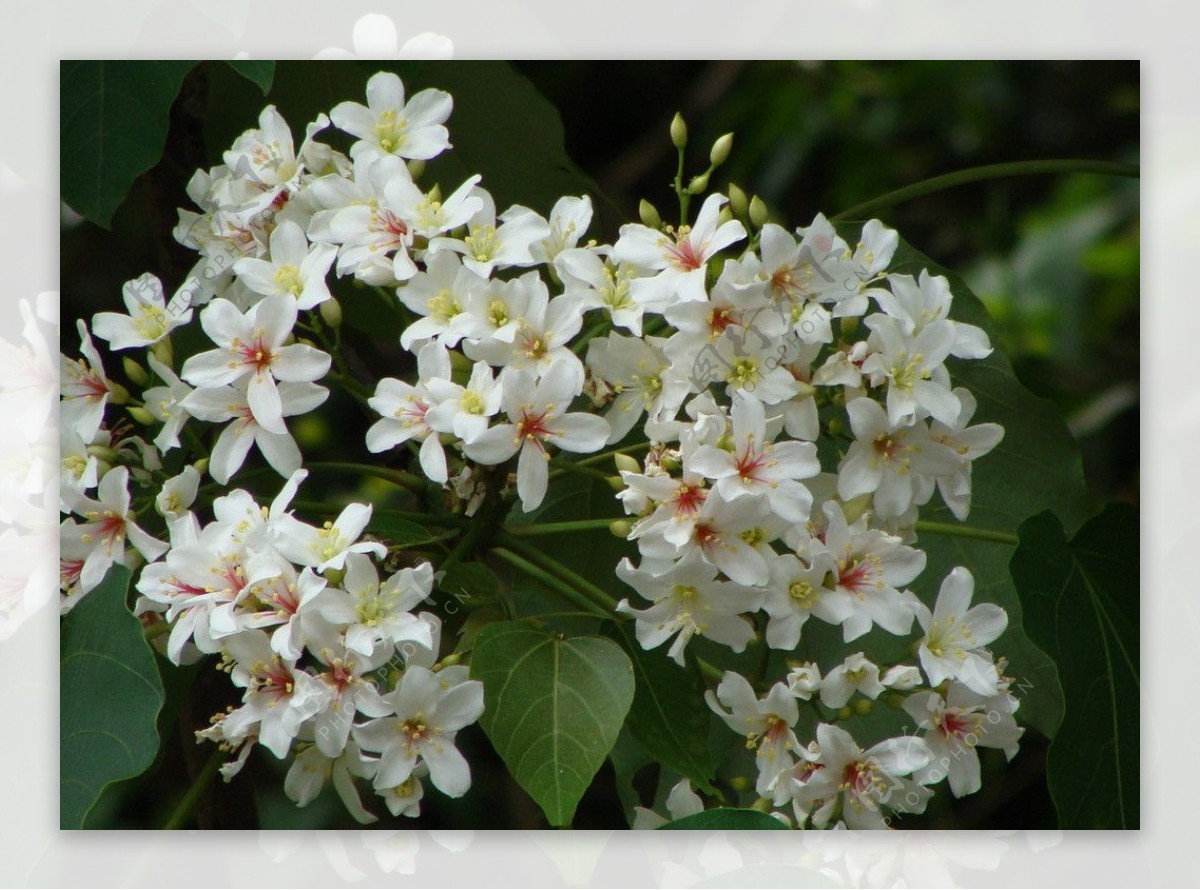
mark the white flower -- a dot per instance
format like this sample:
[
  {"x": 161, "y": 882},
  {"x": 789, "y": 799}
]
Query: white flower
[
  {"x": 177, "y": 493},
  {"x": 766, "y": 723},
  {"x": 911, "y": 365},
  {"x": 232, "y": 403},
  {"x": 440, "y": 294},
  {"x": 679, "y": 261},
  {"x": 85, "y": 389},
  {"x": 404, "y": 408},
  {"x": 378, "y": 617},
  {"x": 311, "y": 769},
  {"x": 600, "y": 285},
  {"x": 488, "y": 246},
  {"x": 954, "y": 728},
  {"x": 426, "y": 718},
  {"x": 166, "y": 404},
  {"x": 328, "y": 546},
  {"x": 967, "y": 444},
  {"x": 688, "y": 601},
  {"x": 464, "y": 410},
  {"x": 796, "y": 591},
  {"x": 295, "y": 269},
  {"x": 569, "y": 221},
  {"x": 375, "y": 38},
  {"x": 956, "y": 634},
  {"x": 804, "y": 681},
  {"x": 538, "y": 415},
  {"x": 252, "y": 345},
  {"x": 681, "y": 801},
  {"x": 639, "y": 373},
  {"x": 855, "y": 674},
  {"x": 148, "y": 320},
  {"x": 924, "y": 301},
  {"x": 412, "y": 129}
]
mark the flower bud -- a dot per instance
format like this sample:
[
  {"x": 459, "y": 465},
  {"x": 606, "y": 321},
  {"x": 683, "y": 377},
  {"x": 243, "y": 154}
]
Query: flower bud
[
  {"x": 740, "y": 783},
  {"x": 163, "y": 352},
  {"x": 678, "y": 131},
  {"x": 616, "y": 483},
  {"x": 416, "y": 168},
  {"x": 135, "y": 372},
  {"x": 762, "y": 805},
  {"x": 720, "y": 150},
  {"x": 738, "y": 202},
  {"x": 698, "y": 184},
  {"x": 620, "y": 528},
  {"x": 845, "y": 713},
  {"x": 141, "y": 415},
  {"x": 758, "y": 212},
  {"x": 201, "y": 466},
  {"x": 837, "y": 426},
  {"x": 449, "y": 661},
  {"x": 334, "y": 577},
  {"x": 670, "y": 464},
  {"x": 627, "y": 462},
  {"x": 649, "y": 214},
  {"x": 848, "y": 325},
  {"x": 725, "y": 215},
  {"x": 117, "y": 394},
  {"x": 863, "y": 706},
  {"x": 331, "y": 312}
]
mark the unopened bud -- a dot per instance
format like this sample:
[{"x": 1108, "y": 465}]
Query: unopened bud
[
  {"x": 758, "y": 212},
  {"x": 741, "y": 783},
  {"x": 837, "y": 426},
  {"x": 845, "y": 713},
  {"x": 616, "y": 483},
  {"x": 449, "y": 661},
  {"x": 201, "y": 466},
  {"x": 163, "y": 352},
  {"x": 331, "y": 312},
  {"x": 135, "y": 372},
  {"x": 762, "y": 805},
  {"x": 678, "y": 131},
  {"x": 435, "y": 193},
  {"x": 117, "y": 394},
  {"x": 738, "y": 202},
  {"x": 725, "y": 215},
  {"x": 649, "y": 214},
  {"x": 670, "y": 464},
  {"x": 627, "y": 463},
  {"x": 334, "y": 577},
  {"x": 620, "y": 528},
  {"x": 863, "y": 706},
  {"x": 698, "y": 184},
  {"x": 855, "y": 507},
  {"x": 720, "y": 150},
  {"x": 416, "y": 168},
  {"x": 141, "y": 415},
  {"x": 848, "y": 325}
]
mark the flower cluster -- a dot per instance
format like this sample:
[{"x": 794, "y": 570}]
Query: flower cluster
[{"x": 790, "y": 394}]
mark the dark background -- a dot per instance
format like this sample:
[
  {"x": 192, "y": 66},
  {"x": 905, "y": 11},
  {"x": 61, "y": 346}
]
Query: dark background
[{"x": 1055, "y": 259}]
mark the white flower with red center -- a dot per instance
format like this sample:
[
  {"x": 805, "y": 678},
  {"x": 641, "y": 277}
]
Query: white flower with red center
[
  {"x": 85, "y": 389},
  {"x": 896, "y": 465},
  {"x": 279, "y": 696},
  {"x": 753, "y": 465},
  {"x": 251, "y": 344},
  {"x": 404, "y": 407},
  {"x": 865, "y": 783},
  {"x": 856, "y": 674},
  {"x": 350, "y": 693},
  {"x": 956, "y": 634},
  {"x": 295, "y": 269},
  {"x": 232, "y": 403},
  {"x": 728, "y": 535},
  {"x": 795, "y": 592},
  {"x": 266, "y": 162},
  {"x": 538, "y": 417},
  {"x": 283, "y": 601},
  {"x": 954, "y": 727},
  {"x": 766, "y": 723},
  {"x": 680, "y": 258},
  {"x": 108, "y": 524},
  {"x": 688, "y": 601},
  {"x": 677, "y": 504},
  {"x": 148, "y": 320},
  {"x": 387, "y": 123},
  {"x": 869, "y": 566},
  {"x": 425, "y": 718}
]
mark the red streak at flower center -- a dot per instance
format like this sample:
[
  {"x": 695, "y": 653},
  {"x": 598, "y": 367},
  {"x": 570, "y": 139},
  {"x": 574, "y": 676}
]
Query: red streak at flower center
[
  {"x": 854, "y": 574},
  {"x": 392, "y": 225},
  {"x": 683, "y": 252},
  {"x": 93, "y": 385},
  {"x": 256, "y": 354},
  {"x": 957, "y": 726},
  {"x": 859, "y": 776},
  {"x": 719, "y": 320},
  {"x": 339, "y": 676},
  {"x": 750, "y": 462},
  {"x": 277, "y": 681},
  {"x": 68, "y": 571},
  {"x": 283, "y": 597},
  {"x": 887, "y": 447},
  {"x": 111, "y": 527},
  {"x": 532, "y": 427},
  {"x": 689, "y": 499},
  {"x": 707, "y": 536}
]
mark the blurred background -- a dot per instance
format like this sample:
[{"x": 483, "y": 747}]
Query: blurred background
[{"x": 1054, "y": 257}]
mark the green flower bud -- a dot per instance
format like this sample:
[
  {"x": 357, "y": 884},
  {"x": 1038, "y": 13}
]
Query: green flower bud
[
  {"x": 201, "y": 466},
  {"x": 628, "y": 463},
  {"x": 620, "y": 528},
  {"x": 740, "y": 783},
  {"x": 698, "y": 184},
  {"x": 649, "y": 214},
  {"x": 416, "y": 168},
  {"x": 678, "y": 131},
  {"x": 863, "y": 706},
  {"x": 845, "y": 713},
  {"x": 135, "y": 372},
  {"x": 616, "y": 483},
  {"x": 720, "y": 150},
  {"x": 738, "y": 202},
  {"x": 163, "y": 352},
  {"x": 141, "y": 415},
  {"x": 758, "y": 212},
  {"x": 331, "y": 312}
]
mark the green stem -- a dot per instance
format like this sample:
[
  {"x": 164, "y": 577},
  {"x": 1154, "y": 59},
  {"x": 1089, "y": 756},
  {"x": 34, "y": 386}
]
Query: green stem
[
  {"x": 681, "y": 192},
  {"x": 600, "y": 327},
  {"x": 553, "y": 528},
  {"x": 578, "y": 469},
  {"x": 396, "y": 477},
  {"x": 193, "y": 795},
  {"x": 967, "y": 531},
  {"x": 325, "y": 508},
  {"x": 556, "y": 568},
  {"x": 538, "y": 574},
  {"x": 978, "y": 174},
  {"x": 709, "y": 671},
  {"x": 607, "y": 455}
]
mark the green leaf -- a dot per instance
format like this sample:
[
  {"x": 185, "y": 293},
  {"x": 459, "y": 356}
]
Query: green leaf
[
  {"x": 110, "y": 694},
  {"x": 403, "y": 533},
  {"x": 669, "y": 716},
  {"x": 1081, "y": 606},
  {"x": 1036, "y": 467},
  {"x": 261, "y": 73},
  {"x": 112, "y": 128},
  {"x": 554, "y": 708},
  {"x": 726, "y": 819}
]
